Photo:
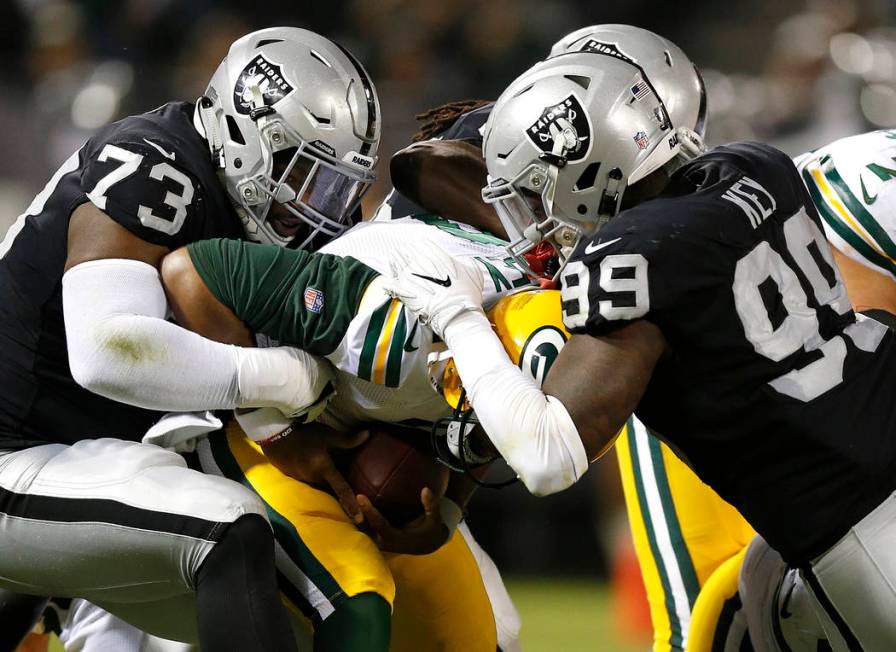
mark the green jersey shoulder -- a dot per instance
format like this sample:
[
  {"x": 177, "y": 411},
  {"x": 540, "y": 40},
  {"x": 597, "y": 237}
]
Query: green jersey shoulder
[
  {"x": 851, "y": 182},
  {"x": 331, "y": 303}
]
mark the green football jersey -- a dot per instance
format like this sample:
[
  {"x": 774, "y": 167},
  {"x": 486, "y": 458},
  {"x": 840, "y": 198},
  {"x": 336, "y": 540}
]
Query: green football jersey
[
  {"x": 298, "y": 298},
  {"x": 332, "y": 303}
]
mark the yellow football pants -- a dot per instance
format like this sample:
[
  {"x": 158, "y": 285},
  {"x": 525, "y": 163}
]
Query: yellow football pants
[
  {"x": 439, "y": 600},
  {"x": 689, "y": 543}
]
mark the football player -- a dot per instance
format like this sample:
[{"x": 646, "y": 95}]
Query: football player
[
  {"x": 387, "y": 366},
  {"x": 689, "y": 541},
  {"x": 848, "y": 181},
  {"x": 701, "y": 294},
  {"x": 329, "y": 571},
  {"x": 280, "y": 149},
  {"x": 683, "y": 532}
]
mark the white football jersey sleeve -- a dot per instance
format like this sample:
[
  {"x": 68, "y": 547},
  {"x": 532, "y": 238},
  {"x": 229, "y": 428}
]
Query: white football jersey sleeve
[{"x": 382, "y": 362}]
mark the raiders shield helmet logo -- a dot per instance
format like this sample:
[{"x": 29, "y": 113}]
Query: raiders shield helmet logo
[
  {"x": 269, "y": 79},
  {"x": 565, "y": 123}
]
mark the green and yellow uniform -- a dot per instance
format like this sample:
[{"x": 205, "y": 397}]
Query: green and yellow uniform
[
  {"x": 685, "y": 537},
  {"x": 331, "y": 303}
]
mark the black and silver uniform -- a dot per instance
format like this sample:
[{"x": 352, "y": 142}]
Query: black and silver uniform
[
  {"x": 152, "y": 174},
  {"x": 468, "y": 127},
  {"x": 771, "y": 390}
]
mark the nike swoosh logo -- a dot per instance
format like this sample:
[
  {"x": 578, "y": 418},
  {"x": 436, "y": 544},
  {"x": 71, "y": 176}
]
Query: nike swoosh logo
[
  {"x": 408, "y": 346},
  {"x": 868, "y": 200},
  {"x": 444, "y": 282},
  {"x": 591, "y": 248},
  {"x": 164, "y": 153}
]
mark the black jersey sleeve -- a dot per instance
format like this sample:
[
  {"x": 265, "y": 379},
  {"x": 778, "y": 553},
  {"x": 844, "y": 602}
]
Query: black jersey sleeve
[
  {"x": 668, "y": 258},
  {"x": 139, "y": 178},
  {"x": 468, "y": 127}
]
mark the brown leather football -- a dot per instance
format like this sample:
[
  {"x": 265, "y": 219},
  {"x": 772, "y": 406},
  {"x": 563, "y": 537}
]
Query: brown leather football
[{"x": 392, "y": 471}]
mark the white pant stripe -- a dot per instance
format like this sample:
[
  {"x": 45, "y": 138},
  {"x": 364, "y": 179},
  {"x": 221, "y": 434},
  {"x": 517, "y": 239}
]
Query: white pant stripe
[
  {"x": 661, "y": 531},
  {"x": 285, "y": 564}
]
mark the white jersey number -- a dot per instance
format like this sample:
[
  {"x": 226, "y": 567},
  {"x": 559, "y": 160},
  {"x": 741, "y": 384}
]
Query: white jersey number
[
  {"x": 618, "y": 273},
  {"x": 799, "y": 329},
  {"x": 130, "y": 163}
]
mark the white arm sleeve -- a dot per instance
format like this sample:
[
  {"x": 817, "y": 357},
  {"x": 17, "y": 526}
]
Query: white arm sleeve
[
  {"x": 533, "y": 432},
  {"x": 121, "y": 347}
]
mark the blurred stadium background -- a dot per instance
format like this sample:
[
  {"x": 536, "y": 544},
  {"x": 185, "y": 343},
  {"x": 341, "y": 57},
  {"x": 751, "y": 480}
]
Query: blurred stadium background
[{"x": 796, "y": 73}]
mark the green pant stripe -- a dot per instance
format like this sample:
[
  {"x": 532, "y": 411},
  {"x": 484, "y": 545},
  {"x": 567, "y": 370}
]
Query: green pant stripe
[
  {"x": 685, "y": 563},
  {"x": 843, "y": 230},
  {"x": 284, "y": 531},
  {"x": 374, "y": 330},
  {"x": 676, "y": 639},
  {"x": 861, "y": 213},
  {"x": 396, "y": 350}
]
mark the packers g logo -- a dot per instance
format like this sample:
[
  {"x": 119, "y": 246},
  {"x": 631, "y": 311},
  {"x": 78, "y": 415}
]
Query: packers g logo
[{"x": 540, "y": 351}]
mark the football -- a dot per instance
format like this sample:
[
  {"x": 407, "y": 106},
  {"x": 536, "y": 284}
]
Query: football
[{"x": 392, "y": 471}]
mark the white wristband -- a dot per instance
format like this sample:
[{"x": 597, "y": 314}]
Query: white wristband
[{"x": 262, "y": 424}]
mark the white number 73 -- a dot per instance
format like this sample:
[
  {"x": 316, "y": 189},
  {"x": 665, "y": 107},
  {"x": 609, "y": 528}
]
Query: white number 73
[{"x": 130, "y": 163}]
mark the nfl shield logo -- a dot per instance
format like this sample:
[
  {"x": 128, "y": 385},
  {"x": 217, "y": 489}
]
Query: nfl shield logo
[
  {"x": 314, "y": 300},
  {"x": 641, "y": 140}
]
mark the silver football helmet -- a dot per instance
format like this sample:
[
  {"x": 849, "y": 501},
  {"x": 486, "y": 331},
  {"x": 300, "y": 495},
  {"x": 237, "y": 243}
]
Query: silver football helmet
[
  {"x": 675, "y": 79},
  {"x": 293, "y": 122},
  {"x": 567, "y": 138}
]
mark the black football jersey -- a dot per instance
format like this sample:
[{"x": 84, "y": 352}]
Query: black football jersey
[
  {"x": 152, "y": 174},
  {"x": 468, "y": 127},
  {"x": 771, "y": 389}
]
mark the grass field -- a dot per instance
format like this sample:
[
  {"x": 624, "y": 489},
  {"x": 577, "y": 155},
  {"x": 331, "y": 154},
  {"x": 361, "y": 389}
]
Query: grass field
[
  {"x": 559, "y": 615},
  {"x": 567, "y": 616}
]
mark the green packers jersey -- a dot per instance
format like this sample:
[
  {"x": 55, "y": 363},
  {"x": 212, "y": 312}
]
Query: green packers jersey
[
  {"x": 851, "y": 184},
  {"x": 332, "y": 303},
  {"x": 283, "y": 293}
]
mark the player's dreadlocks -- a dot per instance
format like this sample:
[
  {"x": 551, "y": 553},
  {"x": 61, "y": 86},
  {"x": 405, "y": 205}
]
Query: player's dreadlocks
[{"x": 440, "y": 118}]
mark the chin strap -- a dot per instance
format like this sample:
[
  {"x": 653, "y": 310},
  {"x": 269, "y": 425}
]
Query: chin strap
[
  {"x": 691, "y": 143},
  {"x": 209, "y": 122}
]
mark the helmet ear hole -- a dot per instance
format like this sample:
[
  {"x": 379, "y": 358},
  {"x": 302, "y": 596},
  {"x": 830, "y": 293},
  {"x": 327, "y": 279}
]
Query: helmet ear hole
[
  {"x": 584, "y": 82},
  {"x": 234, "y": 132},
  {"x": 587, "y": 178}
]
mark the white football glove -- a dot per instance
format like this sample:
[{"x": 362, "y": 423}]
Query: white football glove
[
  {"x": 289, "y": 379},
  {"x": 433, "y": 285}
]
